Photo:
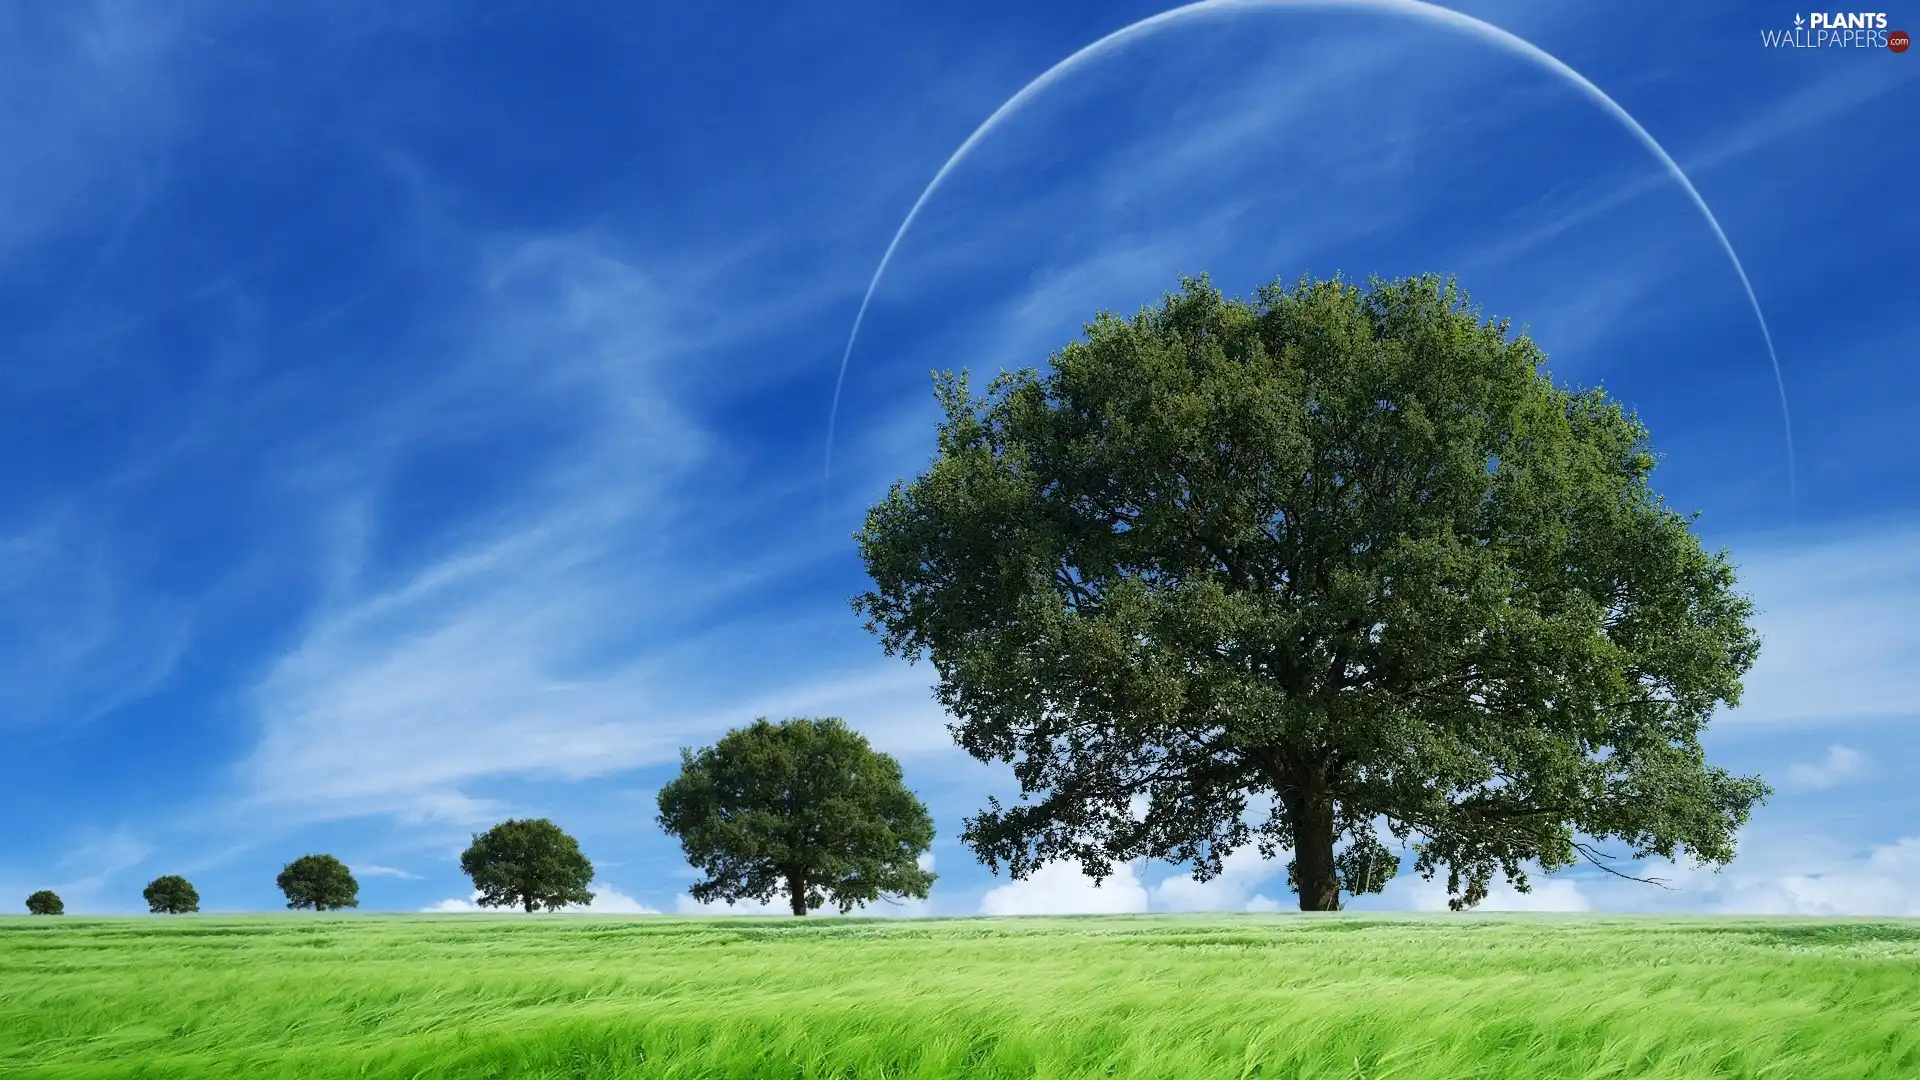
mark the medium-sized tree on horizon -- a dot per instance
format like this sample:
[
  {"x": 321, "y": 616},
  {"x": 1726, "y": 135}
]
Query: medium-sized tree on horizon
[
  {"x": 171, "y": 894},
  {"x": 45, "y": 902},
  {"x": 806, "y": 807},
  {"x": 319, "y": 882},
  {"x": 528, "y": 862}
]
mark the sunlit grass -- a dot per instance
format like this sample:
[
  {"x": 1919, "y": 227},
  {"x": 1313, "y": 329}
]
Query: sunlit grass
[{"x": 1329, "y": 998}]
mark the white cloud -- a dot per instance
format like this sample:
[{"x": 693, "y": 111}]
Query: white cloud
[
  {"x": 406, "y": 733},
  {"x": 1809, "y": 875},
  {"x": 432, "y": 805},
  {"x": 1841, "y": 764},
  {"x": 1236, "y": 888},
  {"x": 373, "y": 870},
  {"x": 607, "y": 900},
  {"x": 1061, "y": 889},
  {"x": 1884, "y": 882},
  {"x": 1838, "y": 629}
]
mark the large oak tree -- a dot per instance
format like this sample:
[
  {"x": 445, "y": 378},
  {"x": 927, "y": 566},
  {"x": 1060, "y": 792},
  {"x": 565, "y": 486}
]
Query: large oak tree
[{"x": 1288, "y": 571}]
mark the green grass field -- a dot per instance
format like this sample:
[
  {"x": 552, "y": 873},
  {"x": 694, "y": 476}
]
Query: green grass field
[{"x": 1346, "y": 997}]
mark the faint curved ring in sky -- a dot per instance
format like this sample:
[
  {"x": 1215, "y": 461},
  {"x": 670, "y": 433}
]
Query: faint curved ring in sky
[{"x": 1431, "y": 13}]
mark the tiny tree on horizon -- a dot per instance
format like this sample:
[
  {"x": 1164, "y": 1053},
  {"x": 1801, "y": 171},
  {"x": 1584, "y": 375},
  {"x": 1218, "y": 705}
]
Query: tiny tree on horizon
[
  {"x": 1281, "y": 573},
  {"x": 45, "y": 902},
  {"x": 530, "y": 863},
  {"x": 171, "y": 894},
  {"x": 319, "y": 882},
  {"x": 806, "y": 807}
]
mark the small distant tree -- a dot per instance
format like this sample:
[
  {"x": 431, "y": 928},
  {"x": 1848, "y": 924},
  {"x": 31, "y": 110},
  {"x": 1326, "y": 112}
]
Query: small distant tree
[
  {"x": 319, "y": 882},
  {"x": 528, "y": 862},
  {"x": 171, "y": 894},
  {"x": 805, "y": 807},
  {"x": 45, "y": 902}
]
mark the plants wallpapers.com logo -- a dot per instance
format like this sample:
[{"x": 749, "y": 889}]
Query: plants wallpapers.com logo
[{"x": 1838, "y": 30}]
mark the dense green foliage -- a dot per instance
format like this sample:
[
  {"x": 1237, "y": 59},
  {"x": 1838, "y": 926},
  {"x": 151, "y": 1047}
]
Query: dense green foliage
[
  {"x": 45, "y": 902},
  {"x": 804, "y": 807},
  {"x": 171, "y": 894},
  {"x": 318, "y": 882},
  {"x": 1339, "y": 997},
  {"x": 530, "y": 863},
  {"x": 1280, "y": 572}
]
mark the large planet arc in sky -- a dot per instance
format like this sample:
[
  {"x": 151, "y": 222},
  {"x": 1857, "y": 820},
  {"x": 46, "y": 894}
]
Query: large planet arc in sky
[{"x": 1433, "y": 14}]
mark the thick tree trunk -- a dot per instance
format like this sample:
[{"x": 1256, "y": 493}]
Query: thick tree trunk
[
  {"x": 529, "y": 902},
  {"x": 1311, "y": 813},
  {"x": 797, "y": 892}
]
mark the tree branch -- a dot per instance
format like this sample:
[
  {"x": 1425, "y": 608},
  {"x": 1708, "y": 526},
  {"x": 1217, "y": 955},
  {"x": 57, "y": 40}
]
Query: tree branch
[{"x": 1586, "y": 851}]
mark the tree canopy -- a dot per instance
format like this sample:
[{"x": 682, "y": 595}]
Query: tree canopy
[
  {"x": 530, "y": 863},
  {"x": 45, "y": 902},
  {"x": 805, "y": 807},
  {"x": 171, "y": 894},
  {"x": 1295, "y": 570},
  {"x": 319, "y": 882}
]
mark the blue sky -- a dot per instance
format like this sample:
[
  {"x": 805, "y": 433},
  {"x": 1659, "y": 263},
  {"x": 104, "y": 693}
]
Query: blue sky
[{"x": 416, "y": 417}]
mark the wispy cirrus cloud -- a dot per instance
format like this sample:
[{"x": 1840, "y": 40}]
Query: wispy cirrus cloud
[
  {"x": 1836, "y": 617},
  {"x": 1766, "y": 126},
  {"x": 86, "y": 874},
  {"x": 1840, "y": 764},
  {"x": 376, "y": 870},
  {"x": 106, "y": 77},
  {"x": 593, "y": 619},
  {"x": 429, "y": 667},
  {"x": 77, "y": 639}
]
